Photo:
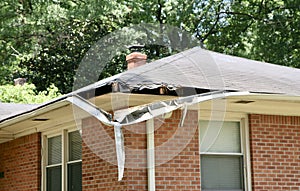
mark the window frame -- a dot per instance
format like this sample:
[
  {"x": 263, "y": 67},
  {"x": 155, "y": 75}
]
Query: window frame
[
  {"x": 64, "y": 133},
  {"x": 244, "y": 141}
]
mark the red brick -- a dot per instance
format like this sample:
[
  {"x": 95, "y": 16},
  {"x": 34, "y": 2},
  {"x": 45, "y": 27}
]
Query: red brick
[
  {"x": 275, "y": 161},
  {"x": 177, "y": 169},
  {"x": 20, "y": 160}
]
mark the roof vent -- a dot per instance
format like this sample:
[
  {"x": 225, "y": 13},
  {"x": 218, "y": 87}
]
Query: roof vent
[
  {"x": 244, "y": 101},
  {"x": 40, "y": 119}
]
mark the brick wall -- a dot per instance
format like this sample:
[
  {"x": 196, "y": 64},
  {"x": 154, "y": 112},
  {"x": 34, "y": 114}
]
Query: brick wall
[
  {"x": 20, "y": 160},
  {"x": 99, "y": 171},
  {"x": 274, "y": 143},
  {"x": 177, "y": 155},
  {"x": 275, "y": 152}
]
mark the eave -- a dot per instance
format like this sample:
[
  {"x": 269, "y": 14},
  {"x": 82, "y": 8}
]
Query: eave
[{"x": 60, "y": 114}]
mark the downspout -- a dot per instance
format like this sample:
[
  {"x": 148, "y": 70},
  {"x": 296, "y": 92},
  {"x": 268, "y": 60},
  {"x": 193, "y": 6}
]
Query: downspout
[
  {"x": 106, "y": 119},
  {"x": 134, "y": 60},
  {"x": 150, "y": 155}
]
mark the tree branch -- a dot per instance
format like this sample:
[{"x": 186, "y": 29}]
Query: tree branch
[
  {"x": 213, "y": 27},
  {"x": 159, "y": 12},
  {"x": 236, "y": 13}
]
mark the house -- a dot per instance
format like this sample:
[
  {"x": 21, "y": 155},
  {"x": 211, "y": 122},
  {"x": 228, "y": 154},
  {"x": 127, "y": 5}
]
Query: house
[{"x": 197, "y": 120}]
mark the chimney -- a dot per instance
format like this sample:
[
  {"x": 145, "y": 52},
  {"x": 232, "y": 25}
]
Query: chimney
[
  {"x": 20, "y": 81},
  {"x": 135, "y": 59}
]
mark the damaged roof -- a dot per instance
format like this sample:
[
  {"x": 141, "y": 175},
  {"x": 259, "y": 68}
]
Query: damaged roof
[
  {"x": 202, "y": 69},
  {"x": 197, "y": 69}
]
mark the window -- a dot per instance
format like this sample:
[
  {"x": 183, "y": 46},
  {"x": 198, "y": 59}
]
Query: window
[
  {"x": 222, "y": 156},
  {"x": 54, "y": 163},
  {"x": 62, "y": 161},
  {"x": 74, "y": 162}
]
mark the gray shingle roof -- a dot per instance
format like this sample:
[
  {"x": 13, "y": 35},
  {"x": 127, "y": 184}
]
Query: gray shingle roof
[
  {"x": 12, "y": 109},
  {"x": 203, "y": 69},
  {"x": 195, "y": 68}
]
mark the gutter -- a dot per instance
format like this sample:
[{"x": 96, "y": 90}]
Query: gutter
[
  {"x": 143, "y": 113},
  {"x": 127, "y": 116},
  {"x": 122, "y": 117}
]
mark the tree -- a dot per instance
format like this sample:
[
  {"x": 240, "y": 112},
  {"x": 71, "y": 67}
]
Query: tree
[
  {"x": 26, "y": 94},
  {"x": 45, "y": 41},
  {"x": 277, "y": 33},
  {"x": 257, "y": 29}
]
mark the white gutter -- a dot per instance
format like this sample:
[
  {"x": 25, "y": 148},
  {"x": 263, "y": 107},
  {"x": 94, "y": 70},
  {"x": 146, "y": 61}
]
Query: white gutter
[
  {"x": 138, "y": 114},
  {"x": 105, "y": 118},
  {"x": 150, "y": 155},
  {"x": 143, "y": 113}
]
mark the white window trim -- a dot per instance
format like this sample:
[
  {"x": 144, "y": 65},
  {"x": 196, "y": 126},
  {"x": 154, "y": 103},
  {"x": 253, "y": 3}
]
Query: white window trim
[
  {"x": 245, "y": 144},
  {"x": 65, "y": 154},
  {"x": 247, "y": 155}
]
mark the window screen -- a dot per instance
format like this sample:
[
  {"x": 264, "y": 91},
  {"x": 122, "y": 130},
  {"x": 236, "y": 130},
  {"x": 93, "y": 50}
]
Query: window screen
[
  {"x": 54, "y": 150},
  {"x": 74, "y": 146}
]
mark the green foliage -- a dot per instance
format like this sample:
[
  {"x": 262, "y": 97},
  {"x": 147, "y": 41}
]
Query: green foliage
[
  {"x": 277, "y": 34},
  {"x": 262, "y": 30},
  {"x": 45, "y": 41},
  {"x": 26, "y": 94},
  {"x": 256, "y": 29}
]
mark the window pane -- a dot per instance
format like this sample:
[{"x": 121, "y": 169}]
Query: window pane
[
  {"x": 218, "y": 136},
  {"x": 221, "y": 172},
  {"x": 74, "y": 146},
  {"x": 54, "y": 178},
  {"x": 54, "y": 150},
  {"x": 74, "y": 177}
]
